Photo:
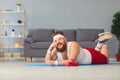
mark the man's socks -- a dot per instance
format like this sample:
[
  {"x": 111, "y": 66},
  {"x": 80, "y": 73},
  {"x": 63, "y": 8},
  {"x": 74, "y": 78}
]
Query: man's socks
[{"x": 99, "y": 46}]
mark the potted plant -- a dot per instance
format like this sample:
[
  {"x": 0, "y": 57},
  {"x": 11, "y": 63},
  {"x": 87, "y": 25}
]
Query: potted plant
[
  {"x": 18, "y": 5},
  {"x": 115, "y": 29}
]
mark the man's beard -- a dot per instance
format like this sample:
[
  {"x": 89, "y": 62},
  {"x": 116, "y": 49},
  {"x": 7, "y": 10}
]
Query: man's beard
[{"x": 62, "y": 49}]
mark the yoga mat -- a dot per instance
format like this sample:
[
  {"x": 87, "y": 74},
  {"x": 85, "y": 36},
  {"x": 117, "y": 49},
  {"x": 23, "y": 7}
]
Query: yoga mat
[{"x": 43, "y": 64}]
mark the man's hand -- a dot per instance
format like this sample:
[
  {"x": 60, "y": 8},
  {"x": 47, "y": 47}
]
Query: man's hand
[{"x": 52, "y": 46}]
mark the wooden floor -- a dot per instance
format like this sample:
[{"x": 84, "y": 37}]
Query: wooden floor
[{"x": 17, "y": 69}]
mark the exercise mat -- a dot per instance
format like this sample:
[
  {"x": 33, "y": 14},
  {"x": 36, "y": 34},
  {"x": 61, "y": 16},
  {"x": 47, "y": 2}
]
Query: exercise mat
[{"x": 43, "y": 64}]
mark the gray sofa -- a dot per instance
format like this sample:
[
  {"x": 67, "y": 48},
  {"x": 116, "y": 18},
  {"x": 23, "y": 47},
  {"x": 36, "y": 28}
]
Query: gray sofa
[{"x": 38, "y": 40}]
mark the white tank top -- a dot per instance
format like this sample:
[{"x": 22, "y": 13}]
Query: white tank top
[{"x": 83, "y": 58}]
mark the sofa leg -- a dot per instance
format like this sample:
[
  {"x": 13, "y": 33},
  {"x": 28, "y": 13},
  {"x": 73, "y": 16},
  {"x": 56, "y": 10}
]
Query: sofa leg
[{"x": 28, "y": 59}]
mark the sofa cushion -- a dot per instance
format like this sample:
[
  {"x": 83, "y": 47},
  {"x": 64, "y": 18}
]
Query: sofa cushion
[
  {"x": 83, "y": 35},
  {"x": 41, "y": 35},
  {"x": 40, "y": 45},
  {"x": 69, "y": 34}
]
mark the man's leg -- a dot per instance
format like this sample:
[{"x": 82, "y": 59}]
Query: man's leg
[
  {"x": 103, "y": 37},
  {"x": 104, "y": 51}
]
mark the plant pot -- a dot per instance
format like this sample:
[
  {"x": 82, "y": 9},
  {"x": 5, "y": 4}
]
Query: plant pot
[{"x": 118, "y": 57}]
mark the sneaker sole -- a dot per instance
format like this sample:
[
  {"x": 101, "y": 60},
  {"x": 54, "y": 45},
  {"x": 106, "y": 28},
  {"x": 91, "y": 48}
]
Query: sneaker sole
[
  {"x": 105, "y": 37},
  {"x": 104, "y": 33}
]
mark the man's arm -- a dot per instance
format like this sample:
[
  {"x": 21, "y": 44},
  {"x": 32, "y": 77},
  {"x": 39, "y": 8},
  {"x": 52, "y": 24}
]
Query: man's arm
[
  {"x": 74, "y": 51},
  {"x": 50, "y": 59},
  {"x": 51, "y": 54}
]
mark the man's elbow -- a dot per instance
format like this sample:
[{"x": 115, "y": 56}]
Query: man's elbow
[{"x": 47, "y": 61}]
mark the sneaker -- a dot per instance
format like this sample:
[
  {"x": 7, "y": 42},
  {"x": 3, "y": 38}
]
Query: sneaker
[
  {"x": 104, "y": 33},
  {"x": 103, "y": 37}
]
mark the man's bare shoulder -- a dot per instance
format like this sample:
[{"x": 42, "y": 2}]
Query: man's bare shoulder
[
  {"x": 74, "y": 46},
  {"x": 74, "y": 43}
]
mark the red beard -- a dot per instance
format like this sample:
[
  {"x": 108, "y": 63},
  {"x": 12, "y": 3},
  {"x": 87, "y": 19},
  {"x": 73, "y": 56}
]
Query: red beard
[{"x": 62, "y": 49}]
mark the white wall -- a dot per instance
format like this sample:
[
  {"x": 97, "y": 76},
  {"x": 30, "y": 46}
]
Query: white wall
[{"x": 64, "y": 14}]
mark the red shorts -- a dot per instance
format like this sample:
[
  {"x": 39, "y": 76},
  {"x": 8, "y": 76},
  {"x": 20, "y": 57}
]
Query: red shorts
[{"x": 97, "y": 57}]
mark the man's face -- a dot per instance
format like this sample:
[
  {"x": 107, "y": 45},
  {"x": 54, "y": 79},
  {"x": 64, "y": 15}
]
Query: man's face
[{"x": 60, "y": 44}]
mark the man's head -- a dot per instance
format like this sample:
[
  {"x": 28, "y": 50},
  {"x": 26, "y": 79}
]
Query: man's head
[{"x": 59, "y": 41}]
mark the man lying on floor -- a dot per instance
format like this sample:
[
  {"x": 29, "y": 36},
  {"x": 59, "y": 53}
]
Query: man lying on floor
[{"x": 71, "y": 53}]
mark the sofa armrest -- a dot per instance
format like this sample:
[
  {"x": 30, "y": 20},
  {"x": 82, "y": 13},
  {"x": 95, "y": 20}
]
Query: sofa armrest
[{"x": 28, "y": 40}]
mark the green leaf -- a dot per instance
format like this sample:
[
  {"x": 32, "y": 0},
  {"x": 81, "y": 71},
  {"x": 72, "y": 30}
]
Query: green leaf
[{"x": 115, "y": 27}]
